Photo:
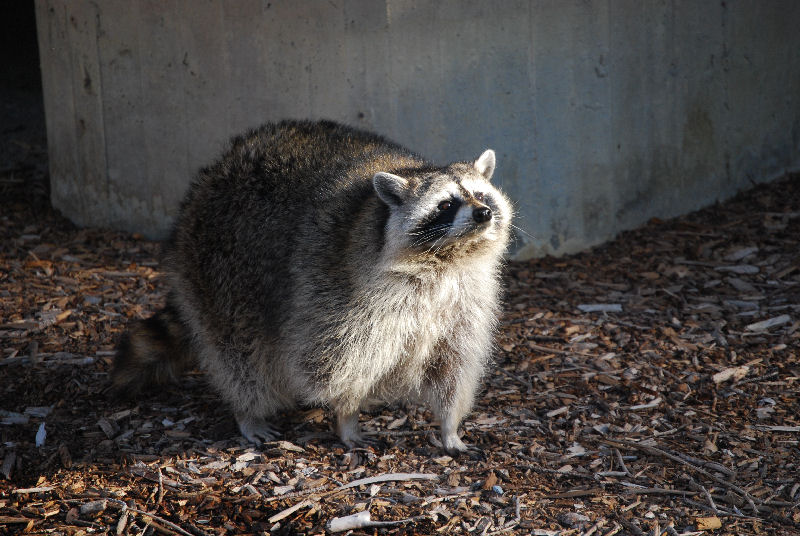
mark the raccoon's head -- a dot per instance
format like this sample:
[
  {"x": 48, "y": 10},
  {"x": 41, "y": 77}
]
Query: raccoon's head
[{"x": 448, "y": 211}]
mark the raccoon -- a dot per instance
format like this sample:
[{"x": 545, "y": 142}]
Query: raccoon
[{"x": 319, "y": 264}]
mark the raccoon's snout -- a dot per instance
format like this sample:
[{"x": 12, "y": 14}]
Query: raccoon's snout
[{"x": 482, "y": 214}]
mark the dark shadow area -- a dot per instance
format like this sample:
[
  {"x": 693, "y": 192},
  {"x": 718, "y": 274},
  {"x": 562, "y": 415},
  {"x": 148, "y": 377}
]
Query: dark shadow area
[{"x": 23, "y": 140}]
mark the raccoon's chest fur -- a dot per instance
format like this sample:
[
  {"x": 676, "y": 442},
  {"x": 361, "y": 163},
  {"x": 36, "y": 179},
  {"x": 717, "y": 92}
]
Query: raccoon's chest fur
[{"x": 383, "y": 343}]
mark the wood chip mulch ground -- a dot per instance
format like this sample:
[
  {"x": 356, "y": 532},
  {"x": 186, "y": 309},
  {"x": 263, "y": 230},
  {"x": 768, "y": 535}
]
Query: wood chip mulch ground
[{"x": 646, "y": 387}]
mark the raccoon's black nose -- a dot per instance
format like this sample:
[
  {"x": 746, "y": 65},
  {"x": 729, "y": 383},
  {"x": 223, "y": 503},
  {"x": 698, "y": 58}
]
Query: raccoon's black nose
[{"x": 482, "y": 214}]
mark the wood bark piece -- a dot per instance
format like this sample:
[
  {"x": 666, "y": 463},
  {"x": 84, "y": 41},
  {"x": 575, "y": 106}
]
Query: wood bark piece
[
  {"x": 289, "y": 511},
  {"x": 362, "y": 520},
  {"x": 600, "y": 307},
  {"x": 93, "y": 507},
  {"x": 390, "y": 478},
  {"x": 769, "y": 323},
  {"x": 732, "y": 373},
  {"x": 8, "y": 464}
]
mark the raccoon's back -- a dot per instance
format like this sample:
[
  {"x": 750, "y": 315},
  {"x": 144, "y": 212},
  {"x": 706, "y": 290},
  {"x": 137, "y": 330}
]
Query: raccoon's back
[{"x": 287, "y": 196}]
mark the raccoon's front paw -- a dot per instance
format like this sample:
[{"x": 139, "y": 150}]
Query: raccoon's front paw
[
  {"x": 453, "y": 444},
  {"x": 256, "y": 430}
]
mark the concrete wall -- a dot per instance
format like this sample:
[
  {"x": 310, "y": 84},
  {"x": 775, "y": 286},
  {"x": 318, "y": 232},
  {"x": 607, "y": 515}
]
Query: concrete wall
[{"x": 603, "y": 113}]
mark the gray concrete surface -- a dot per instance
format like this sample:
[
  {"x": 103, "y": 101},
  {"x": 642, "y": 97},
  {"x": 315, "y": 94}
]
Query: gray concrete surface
[{"x": 603, "y": 113}]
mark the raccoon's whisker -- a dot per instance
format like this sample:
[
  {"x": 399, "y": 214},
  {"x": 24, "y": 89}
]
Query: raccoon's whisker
[
  {"x": 435, "y": 243},
  {"x": 441, "y": 230},
  {"x": 432, "y": 229},
  {"x": 439, "y": 247},
  {"x": 427, "y": 237},
  {"x": 428, "y": 234},
  {"x": 439, "y": 226},
  {"x": 463, "y": 229},
  {"x": 521, "y": 230},
  {"x": 421, "y": 242}
]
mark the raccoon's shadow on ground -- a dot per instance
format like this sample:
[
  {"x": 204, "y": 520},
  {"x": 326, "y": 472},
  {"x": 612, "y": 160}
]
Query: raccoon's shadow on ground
[{"x": 188, "y": 414}]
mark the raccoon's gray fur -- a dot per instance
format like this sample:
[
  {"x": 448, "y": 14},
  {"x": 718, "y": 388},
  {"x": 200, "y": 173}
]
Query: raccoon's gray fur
[{"x": 320, "y": 264}]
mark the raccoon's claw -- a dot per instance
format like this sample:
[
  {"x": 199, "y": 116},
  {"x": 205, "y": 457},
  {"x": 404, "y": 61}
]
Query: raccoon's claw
[
  {"x": 453, "y": 445},
  {"x": 352, "y": 438},
  {"x": 360, "y": 441},
  {"x": 350, "y": 432},
  {"x": 475, "y": 453},
  {"x": 463, "y": 449},
  {"x": 257, "y": 430}
]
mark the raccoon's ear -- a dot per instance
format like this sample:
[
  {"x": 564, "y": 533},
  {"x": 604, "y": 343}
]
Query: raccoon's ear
[
  {"x": 392, "y": 189},
  {"x": 485, "y": 164}
]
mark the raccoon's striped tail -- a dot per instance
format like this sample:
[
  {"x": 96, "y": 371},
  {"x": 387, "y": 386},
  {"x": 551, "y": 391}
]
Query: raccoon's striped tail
[{"x": 153, "y": 352}]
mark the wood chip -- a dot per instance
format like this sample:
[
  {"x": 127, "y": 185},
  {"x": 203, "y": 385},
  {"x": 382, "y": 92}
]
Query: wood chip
[
  {"x": 14, "y": 519},
  {"x": 652, "y": 404},
  {"x": 739, "y": 269},
  {"x": 26, "y": 491},
  {"x": 778, "y": 428},
  {"x": 93, "y": 507},
  {"x": 769, "y": 323},
  {"x": 108, "y": 428},
  {"x": 740, "y": 253},
  {"x": 600, "y": 307},
  {"x": 708, "y": 523},
  {"x": 288, "y": 511},
  {"x": 732, "y": 373},
  {"x": 391, "y": 477}
]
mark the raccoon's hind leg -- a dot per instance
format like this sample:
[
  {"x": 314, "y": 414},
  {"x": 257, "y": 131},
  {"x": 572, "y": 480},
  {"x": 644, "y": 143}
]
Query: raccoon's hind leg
[
  {"x": 251, "y": 381},
  {"x": 349, "y": 430},
  {"x": 450, "y": 386},
  {"x": 256, "y": 429}
]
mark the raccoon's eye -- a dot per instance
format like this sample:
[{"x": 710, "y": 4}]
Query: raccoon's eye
[
  {"x": 444, "y": 205},
  {"x": 478, "y": 196}
]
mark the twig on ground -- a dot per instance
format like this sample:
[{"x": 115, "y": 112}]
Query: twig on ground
[
  {"x": 390, "y": 477},
  {"x": 702, "y": 488},
  {"x": 594, "y": 528},
  {"x": 160, "y": 487},
  {"x": 153, "y": 516},
  {"x": 659, "y": 452},
  {"x": 524, "y": 382},
  {"x": 289, "y": 511},
  {"x": 621, "y": 462},
  {"x": 635, "y": 490}
]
